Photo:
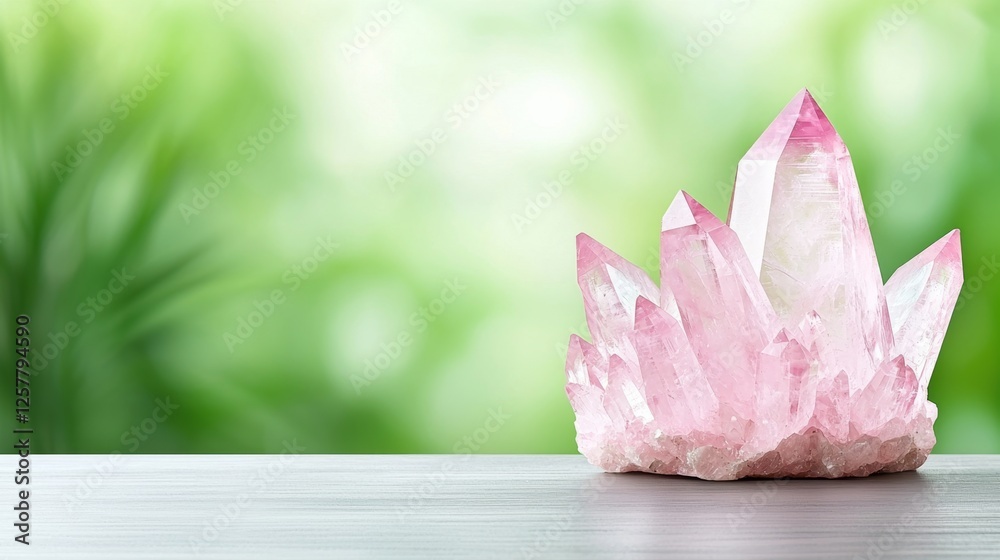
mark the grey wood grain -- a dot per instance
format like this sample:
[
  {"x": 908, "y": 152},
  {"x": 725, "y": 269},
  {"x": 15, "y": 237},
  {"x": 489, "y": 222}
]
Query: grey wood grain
[{"x": 309, "y": 506}]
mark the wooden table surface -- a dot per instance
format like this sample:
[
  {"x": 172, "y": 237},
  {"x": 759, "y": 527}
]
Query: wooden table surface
[{"x": 493, "y": 506}]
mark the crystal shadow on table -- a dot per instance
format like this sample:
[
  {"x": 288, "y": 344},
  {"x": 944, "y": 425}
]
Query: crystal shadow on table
[{"x": 881, "y": 509}]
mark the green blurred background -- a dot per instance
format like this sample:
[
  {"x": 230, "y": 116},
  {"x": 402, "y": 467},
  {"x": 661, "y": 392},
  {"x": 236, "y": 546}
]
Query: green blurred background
[{"x": 295, "y": 279}]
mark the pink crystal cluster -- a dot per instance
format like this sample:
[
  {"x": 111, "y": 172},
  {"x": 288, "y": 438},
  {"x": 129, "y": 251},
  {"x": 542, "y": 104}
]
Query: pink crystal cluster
[{"x": 771, "y": 347}]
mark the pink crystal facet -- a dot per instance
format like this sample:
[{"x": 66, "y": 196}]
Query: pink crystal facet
[{"x": 771, "y": 347}]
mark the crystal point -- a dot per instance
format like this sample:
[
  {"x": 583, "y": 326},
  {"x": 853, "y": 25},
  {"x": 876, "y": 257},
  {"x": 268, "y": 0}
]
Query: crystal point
[
  {"x": 771, "y": 347},
  {"x": 921, "y": 296},
  {"x": 810, "y": 241},
  {"x": 610, "y": 286}
]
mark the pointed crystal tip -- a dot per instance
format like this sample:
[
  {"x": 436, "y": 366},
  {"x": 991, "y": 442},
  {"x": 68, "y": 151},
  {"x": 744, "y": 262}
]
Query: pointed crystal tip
[
  {"x": 589, "y": 251},
  {"x": 686, "y": 211},
  {"x": 950, "y": 245},
  {"x": 801, "y": 119}
]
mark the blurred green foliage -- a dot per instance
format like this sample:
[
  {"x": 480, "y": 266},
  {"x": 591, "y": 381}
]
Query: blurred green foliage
[{"x": 353, "y": 226}]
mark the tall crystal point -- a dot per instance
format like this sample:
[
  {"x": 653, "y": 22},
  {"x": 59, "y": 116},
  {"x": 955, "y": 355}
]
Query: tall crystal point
[
  {"x": 797, "y": 209},
  {"x": 771, "y": 347}
]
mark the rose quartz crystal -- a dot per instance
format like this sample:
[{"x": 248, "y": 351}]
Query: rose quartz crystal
[{"x": 771, "y": 347}]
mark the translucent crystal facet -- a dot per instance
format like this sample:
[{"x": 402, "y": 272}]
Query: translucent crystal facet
[{"x": 771, "y": 347}]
